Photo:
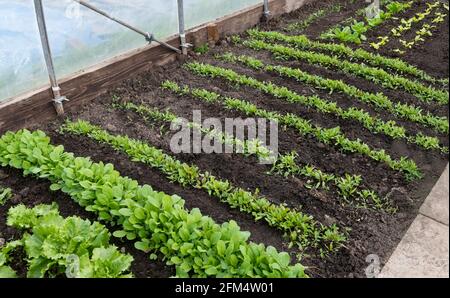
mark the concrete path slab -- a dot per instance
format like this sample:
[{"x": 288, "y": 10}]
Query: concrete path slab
[
  {"x": 436, "y": 205},
  {"x": 424, "y": 250}
]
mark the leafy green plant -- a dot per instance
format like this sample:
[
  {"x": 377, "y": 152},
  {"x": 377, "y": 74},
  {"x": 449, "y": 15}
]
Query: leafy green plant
[
  {"x": 376, "y": 75},
  {"x": 203, "y": 49},
  {"x": 359, "y": 28},
  {"x": 354, "y": 33},
  {"x": 279, "y": 216},
  {"x": 329, "y": 32},
  {"x": 208, "y": 96},
  {"x": 348, "y": 186},
  {"x": 299, "y": 26},
  {"x": 304, "y": 127},
  {"x": 5, "y": 270},
  {"x": 246, "y": 147},
  {"x": 406, "y": 25},
  {"x": 398, "y": 51},
  {"x": 421, "y": 34},
  {"x": 292, "y": 97},
  {"x": 428, "y": 142},
  {"x": 5, "y": 195},
  {"x": 147, "y": 112},
  {"x": 383, "y": 40},
  {"x": 345, "y": 34},
  {"x": 374, "y": 124},
  {"x": 194, "y": 243},
  {"x": 56, "y": 246},
  {"x": 285, "y": 164},
  {"x": 395, "y": 7},
  {"x": 236, "y": 39},
  {"x": 302, "y": 42},
  {"x": 440, "y": 18}
]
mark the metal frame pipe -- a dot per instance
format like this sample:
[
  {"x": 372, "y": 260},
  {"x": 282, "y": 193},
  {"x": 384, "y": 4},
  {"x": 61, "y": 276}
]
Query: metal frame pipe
[
  {"x": 40, "y": 17},
  {"x": 266, "y": 8},
  {"x": 148, "y": 36},
  {"x": 181, "y": 27}
]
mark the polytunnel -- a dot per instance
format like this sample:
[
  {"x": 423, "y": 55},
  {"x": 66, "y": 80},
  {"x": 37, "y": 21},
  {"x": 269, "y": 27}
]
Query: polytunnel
[
  {"x": 80, "y": 37},
  {"x": 222, "y": 147}
]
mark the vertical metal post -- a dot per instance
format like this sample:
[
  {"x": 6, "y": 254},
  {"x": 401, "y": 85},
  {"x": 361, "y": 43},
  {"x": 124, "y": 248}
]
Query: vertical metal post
[
  {"x": 57, "y": 98},
  {"x": 266, "y": 9},
  {"x": 181, "y": 27}
]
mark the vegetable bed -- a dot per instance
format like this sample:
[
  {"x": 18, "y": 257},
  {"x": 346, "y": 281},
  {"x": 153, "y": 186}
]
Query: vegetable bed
[{"x": 363, "y": 138}]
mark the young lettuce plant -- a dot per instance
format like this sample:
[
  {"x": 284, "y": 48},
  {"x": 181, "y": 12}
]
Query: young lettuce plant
[
  {"x": 355, "y": 33},
  {"x": 5, "y": 195},
  {"x": 349, "y": 187},
  {"x": 247, "y": 147},
  {"x": 341, "y": 50},
  {"x": 279, "y": 216},
  {"x": 57, "y": 246},
  {"x": 373, "y": 124},
  {"x": 407, "y": 25},
  {"x": 193, "y": 243},
  {"x": 389, "y": 128},
  {"x": 299, "y": 26},
  {"x": 5, "y": 269},
  {"x": 328, "y": 136},
  {"x": 373, "y": 74}
]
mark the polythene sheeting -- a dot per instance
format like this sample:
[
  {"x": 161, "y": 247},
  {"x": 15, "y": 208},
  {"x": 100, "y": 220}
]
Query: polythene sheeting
[{"x": 80, "y": 38}]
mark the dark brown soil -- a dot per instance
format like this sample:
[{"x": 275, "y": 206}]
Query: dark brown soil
[
  {"x": 32, "y": 192},
  {"x": 372, "y": 232},
  {"x": 436, "y": 46},
  {"x": 348, "y": 9}
]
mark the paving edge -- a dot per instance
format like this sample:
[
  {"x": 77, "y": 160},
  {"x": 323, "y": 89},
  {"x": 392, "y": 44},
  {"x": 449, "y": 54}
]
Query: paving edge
[{"x": 424, "y": 250}]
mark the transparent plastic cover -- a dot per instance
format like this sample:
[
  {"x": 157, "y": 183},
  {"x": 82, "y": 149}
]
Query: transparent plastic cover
[{"x": 80, "y": 38}]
